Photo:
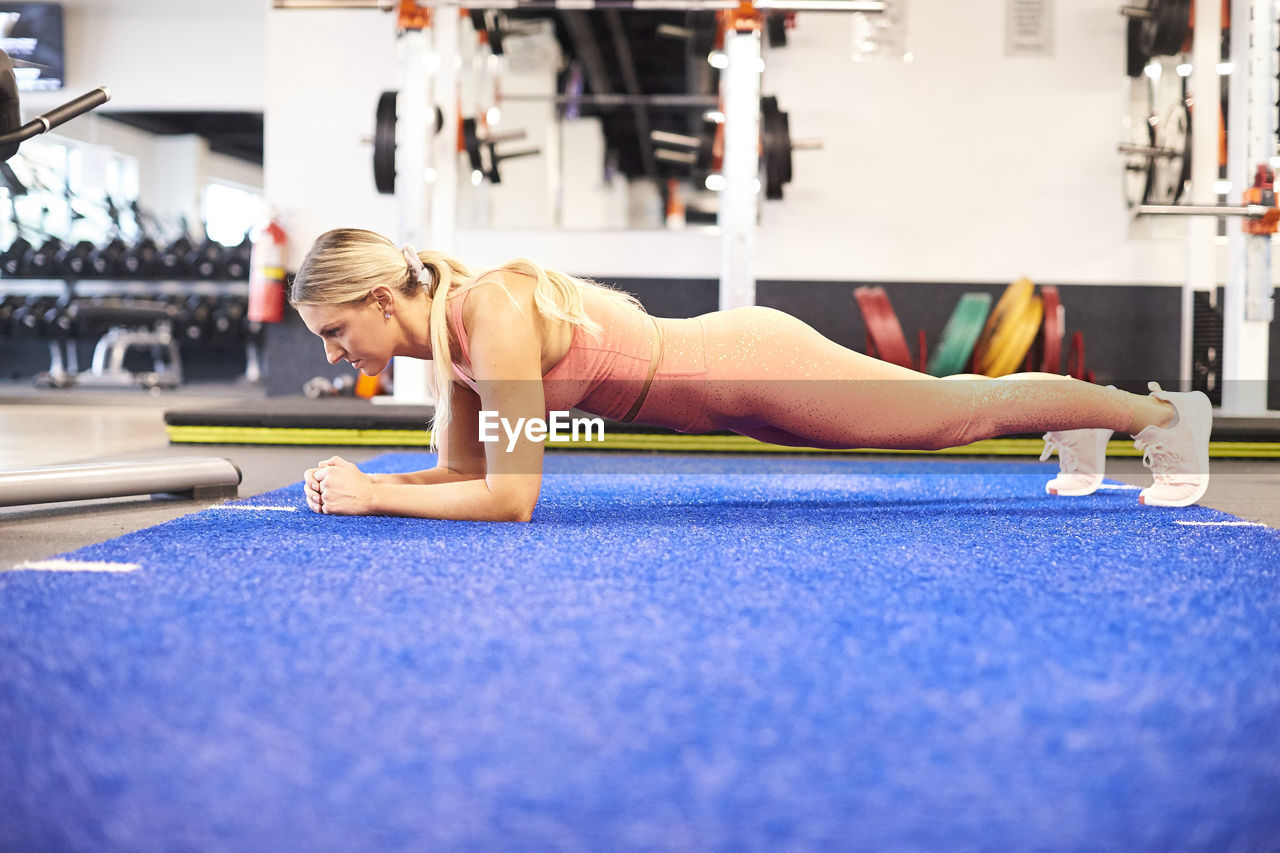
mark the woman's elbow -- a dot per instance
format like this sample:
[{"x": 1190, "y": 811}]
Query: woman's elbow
[
  {"x": 516, "y": 508},
  {"x": 516, "y": 512}
]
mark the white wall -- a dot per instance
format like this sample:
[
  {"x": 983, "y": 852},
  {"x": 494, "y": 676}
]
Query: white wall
[
  {"x": 324, "y": 73},
  {"x": 163, "y": 54}
]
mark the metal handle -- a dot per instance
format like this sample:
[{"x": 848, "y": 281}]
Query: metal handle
[
  {"x": 57, "y": 116},
  {"x": 1252, "y": 210}
]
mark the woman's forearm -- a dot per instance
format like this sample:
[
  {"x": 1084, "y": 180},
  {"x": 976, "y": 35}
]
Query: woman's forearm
[
  {"x": 461, "y": 500},
  {"x": 438, "y": 474}
]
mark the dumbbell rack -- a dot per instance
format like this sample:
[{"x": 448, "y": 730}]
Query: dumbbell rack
[{"x": 125, "y": 314}]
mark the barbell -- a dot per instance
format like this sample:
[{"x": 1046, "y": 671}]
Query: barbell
[
  {"x": 703, "y": 153},
  {"x": 1160, "y": 28},
  {"x": 481, "y": 148},
  {"x": 13, "y": 133}
]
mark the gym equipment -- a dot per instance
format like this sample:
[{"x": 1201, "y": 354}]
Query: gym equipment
[
  {"x": 482, "y": 151},
  {"x": 1171, "y": 167},
  {"x": 12, "y": 134},
  {"x": 1075, "y": 359},
  {"x": 200, "y": 477},
  {"x": 1160, "y": 28},
  {"x": 1052, "y": 333},
  {"x": 384, "y": 142},
  {"x": 885, "y": 339},
  {"x": 1009, "y": 331},
  {"x": 960, "y": 335}
]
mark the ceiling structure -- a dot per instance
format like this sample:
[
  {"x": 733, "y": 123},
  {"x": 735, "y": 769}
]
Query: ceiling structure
[{"x": 636, "y": 71}]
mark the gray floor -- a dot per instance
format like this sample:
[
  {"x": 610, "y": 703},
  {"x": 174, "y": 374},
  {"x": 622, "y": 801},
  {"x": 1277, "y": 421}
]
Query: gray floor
[{"x": 55, "y": 428}]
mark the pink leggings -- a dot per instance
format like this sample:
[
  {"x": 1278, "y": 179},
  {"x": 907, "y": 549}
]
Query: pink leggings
[{"x": 765, "y": 374}]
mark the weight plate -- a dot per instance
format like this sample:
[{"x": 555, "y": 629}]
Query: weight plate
[
  {"x": 1055, "y": 318},
  {"x": 384, "y": 145},
  {"x": 1169, "y": 171},
  {"x": 1136, "y": 58},
  {"x": 883, "y": 329},
  {"x": 1075, "y": 357},
  {"x": 1137, "y": 167},
  {"x": 960, "y": 334},
  {"x": 1174, "y": 25},
  {"x": 1012, "y": 303},
  {"x": 1014, "y": 340},
  {"x": 775, "y": 147}
]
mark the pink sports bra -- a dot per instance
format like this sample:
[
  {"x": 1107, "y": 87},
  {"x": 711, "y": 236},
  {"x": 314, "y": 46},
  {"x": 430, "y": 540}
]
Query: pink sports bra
[{"x": 602, "y": 373}]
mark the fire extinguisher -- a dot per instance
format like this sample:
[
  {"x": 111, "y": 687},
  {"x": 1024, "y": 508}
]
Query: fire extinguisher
[{"x": 266, "y": 274}]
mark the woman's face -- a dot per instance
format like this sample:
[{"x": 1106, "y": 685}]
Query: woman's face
[{"x": 360, "y": 333}]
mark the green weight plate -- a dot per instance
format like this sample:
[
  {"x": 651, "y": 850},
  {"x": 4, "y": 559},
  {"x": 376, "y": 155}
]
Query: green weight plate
[{"x": 960, "y": 334}]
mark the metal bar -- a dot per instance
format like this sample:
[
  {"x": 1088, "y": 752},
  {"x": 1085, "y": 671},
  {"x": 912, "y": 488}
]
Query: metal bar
[
  {"x": 1147, "y": 150},
  {"x": 740, "y": 198},
  {"x": 116, "y": 479},
  {"x": 700, "y": 102},
  {"x": 866, "y": 6},
  {"x": 583, "y": 36},
  {"x": 666, "y": 137},
  {"x": 685, "y": 157},
  {"x": 631, "y": 81},
  {"x": 1254, "y": 210}
]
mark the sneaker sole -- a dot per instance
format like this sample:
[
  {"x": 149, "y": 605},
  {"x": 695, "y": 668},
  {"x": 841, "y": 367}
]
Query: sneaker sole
[
  {"x": 1078, "y": 492},
  {"x": 1202, "y": 411}
]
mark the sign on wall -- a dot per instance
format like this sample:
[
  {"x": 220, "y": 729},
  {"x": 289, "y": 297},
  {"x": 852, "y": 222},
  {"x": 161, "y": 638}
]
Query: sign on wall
[{"x": 1028, "y": 28}]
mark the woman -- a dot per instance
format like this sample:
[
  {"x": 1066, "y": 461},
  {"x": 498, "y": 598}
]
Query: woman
[{"x": 519, "y": 342}]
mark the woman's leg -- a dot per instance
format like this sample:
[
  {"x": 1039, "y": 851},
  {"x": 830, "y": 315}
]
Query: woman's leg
[{"x": 777, "y": 379}]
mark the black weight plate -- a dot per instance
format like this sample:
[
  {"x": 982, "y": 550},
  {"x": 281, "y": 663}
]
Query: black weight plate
[
  {"x": 1174, "y": 17},
  {"x": 384, "y": 145},
  {"x": 1136, "y": 58}
]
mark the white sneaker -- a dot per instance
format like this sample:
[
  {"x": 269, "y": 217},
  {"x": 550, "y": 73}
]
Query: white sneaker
[
  {"x": 1178, "y": 455},
  {"x": 1082, "y": 455}
]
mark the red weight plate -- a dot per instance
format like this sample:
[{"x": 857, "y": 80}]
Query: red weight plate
[
  {"x": 882, "y": 326},
  {"x": 1075, "y": 356},
  {"x": 1052, "y": 331}
]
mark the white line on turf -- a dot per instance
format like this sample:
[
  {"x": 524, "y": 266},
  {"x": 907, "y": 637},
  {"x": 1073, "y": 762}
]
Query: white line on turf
[
  {"x": 74, "y": 566},
  {"x": 1120, "y": 487},
  {"x": 258, "y": 508},
  {"x": 1221, "y": 523}
]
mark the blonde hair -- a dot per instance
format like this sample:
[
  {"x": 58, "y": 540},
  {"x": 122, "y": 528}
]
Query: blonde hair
[{"x": 344, "y": 265}]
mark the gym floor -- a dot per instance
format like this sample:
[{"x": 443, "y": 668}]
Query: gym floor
[{"x": 41, "y": 427}]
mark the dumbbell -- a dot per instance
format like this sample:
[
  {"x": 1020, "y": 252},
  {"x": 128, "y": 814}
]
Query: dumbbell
[
  {"x": 7, "y": 306},
  {"x": 227, "y": 320},
  {"x": 29, "y": 318},
  {"x": 197, "y": 313},
  {"x": 207, "y": 261},
  {"x": 107, "y": 261},
  {"x": 39, "y": 262},
  {"x": 236, "y": 260},
  {"x": 12, "y": 259},
  {"x": 139, "y": 260},
  {"x": 75, "y": 261},
  {"x": 60, "y": 320},
  {"x": 175, "y": 259}
]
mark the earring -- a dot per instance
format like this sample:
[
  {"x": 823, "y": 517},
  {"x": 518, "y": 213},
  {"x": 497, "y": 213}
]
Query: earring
[{"x": 388, "y": 316}]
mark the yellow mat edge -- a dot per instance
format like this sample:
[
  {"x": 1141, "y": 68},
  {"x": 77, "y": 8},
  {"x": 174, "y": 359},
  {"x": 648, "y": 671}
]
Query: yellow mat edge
[{"x": 647, "y": 441}]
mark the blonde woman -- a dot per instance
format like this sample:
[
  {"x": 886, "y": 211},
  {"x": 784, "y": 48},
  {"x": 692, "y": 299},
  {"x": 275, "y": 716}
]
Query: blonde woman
[{"x": 520, "y": 342}]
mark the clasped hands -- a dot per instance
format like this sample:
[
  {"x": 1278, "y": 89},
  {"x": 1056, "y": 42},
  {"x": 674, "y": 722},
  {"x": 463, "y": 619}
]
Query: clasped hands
[{"x": 338, "y": 487}]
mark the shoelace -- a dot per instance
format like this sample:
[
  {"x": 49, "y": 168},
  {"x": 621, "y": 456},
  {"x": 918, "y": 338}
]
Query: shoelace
[
  {"x": 1159, "y": 458},
  {"x": 1068, "y": 461}
]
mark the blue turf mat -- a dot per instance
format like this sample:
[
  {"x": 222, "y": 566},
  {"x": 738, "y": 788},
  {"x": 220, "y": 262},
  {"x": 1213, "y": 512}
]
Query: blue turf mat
[{"x": 814, "y": 653}]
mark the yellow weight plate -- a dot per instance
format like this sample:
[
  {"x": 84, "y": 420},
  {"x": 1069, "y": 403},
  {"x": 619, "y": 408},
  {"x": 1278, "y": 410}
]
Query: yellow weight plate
[
  {"x": 1012, "y": 303},
  {"x": 1014, "y": 339}
]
